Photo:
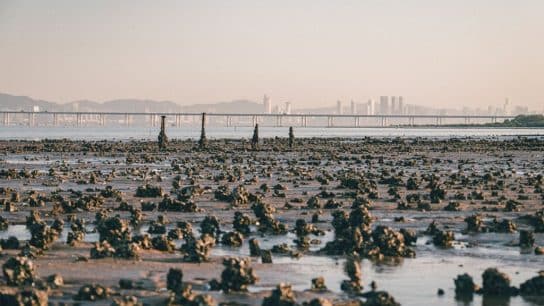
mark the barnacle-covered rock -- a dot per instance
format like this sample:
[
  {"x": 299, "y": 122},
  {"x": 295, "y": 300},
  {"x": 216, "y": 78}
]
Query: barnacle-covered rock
[
  {"x": 210, "y": 226},
  {"x": 149, "y": 191},
  {"x": 92, "y": 292},
  {"x": 444, "y": 239},
  {"x": 234, "y": 239},
  {"x": 197, "y": 250},
  {"x": 318, "y": 284},
  {"x": 237, "y": 275},
  {"x": 533, "y": 286},
  {"x": 19, "y": 271},
  {"x": 496, "y": 283},
  {"x": 379, "y": 298},
  {"x": 464, "y": 285},
  {"x": 25, "y": 297},
  {"x": 282, "y": 295},
  {"x": 352, "y": 268},
  {"x": 242, "y": 223}
]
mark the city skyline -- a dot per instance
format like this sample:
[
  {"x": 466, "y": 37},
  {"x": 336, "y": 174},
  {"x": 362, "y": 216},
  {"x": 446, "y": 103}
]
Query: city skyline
[{"x": 383, "y": 105}]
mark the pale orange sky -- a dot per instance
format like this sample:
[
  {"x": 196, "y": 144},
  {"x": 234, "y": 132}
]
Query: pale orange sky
[{"x": 437, "y": 53}]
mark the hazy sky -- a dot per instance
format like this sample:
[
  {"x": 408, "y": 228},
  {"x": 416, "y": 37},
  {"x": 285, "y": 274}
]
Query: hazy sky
[{"x": 441, "y": 53}]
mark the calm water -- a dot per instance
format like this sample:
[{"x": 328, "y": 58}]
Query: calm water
[{"x": 147, "y": 133}]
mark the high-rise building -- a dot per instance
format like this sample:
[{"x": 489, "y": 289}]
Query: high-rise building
[
  {"x": 287, "y": 108},
  {"x": 339, "y": 107},
  {"x": 364, "y": 108},
  {"x": 383, "y": 106},
  {"x": 371, "y": 109},
  {"x": 353, "y": 108},
  {"x": 267, "y": 104},
  {"x": 401, "y": 110},
  {"x": 393, "y": 110}
]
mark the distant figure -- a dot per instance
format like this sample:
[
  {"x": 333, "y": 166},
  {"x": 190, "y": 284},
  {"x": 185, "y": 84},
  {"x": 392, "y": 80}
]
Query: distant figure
[
  {"x": 163, "y": 139},
  {"x": 291, "y": 137},
  {"x": 203, "y": 142},
  {"x": 255, "y": 139}
]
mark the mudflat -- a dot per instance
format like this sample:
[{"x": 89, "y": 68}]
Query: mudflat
[{"x": 312, "y": 221}]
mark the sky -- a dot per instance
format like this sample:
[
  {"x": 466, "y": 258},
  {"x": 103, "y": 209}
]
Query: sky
[{"x": 448, "y": 53}]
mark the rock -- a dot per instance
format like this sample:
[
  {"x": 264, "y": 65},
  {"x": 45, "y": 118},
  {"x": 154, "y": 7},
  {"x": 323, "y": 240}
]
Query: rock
[
  {"x": 127, "y": 300},
  {"x": 318, "y": 284},
  {"x": 12, "y": 243},
  {"x": 444, "y": 239},
  {"x": 210, "y": 226},
  {"x": 233, "y": 239},
  {"x": 25, "y": 297},
  {"x": 42, "y": 236},
  {"x": 242, "y": 223},
  {"x": 266, "y": 256},
  {"x": 390, "y": 242},
  {"x": 102, "y": 250},
  {"x": 533, "y": 286},
  {"x": 162, "y": 243},
  {"x": 265, "y": 213},
  {"x": 318, "y": 302},
  {"x": 19, "y": 271},
  {"x": 352, "y": 267},
  {"x": 539, "y": 250},
  {"x": 203, "y": 300},
  {"x": 464, "y": 285},
  {"x": 4, "y": 224},
  {"x": 197, "y": 250},
  {"x": 283, "y": 295},
  {"x": 475, "y": 224},
  {"x": 504, "y": 226},
  {"x": 496, "y": 283},
  {"x": 526, "y": 239},
  {"x": 174, "y": 280},
  {"x": 453, "y": 206},
  {"x": 92, "y": 292},
  {"x": 254, "y": 248},
  {"x": 237, "y": 275},
  {"x": 239, "y": 196},
  {"x": 55, "y": 281},
  {"x": 379, "y": 298},
  {"x": 410, "y": 236},
  {"x": 313, "y": 203},
  {"x": 149, "y": 191}
]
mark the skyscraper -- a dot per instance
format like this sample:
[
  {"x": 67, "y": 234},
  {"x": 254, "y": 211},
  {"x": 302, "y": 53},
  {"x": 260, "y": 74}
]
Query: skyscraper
[
  {"x": 267, "y": 104},
  {"x": 339, "y": 107},
  {"x": 353, "y": 108},
  {"x": 393, "y": 110},
  {"x": 401, "y": 106},
  {"x": 287, "y": 108},
  {"x": 383, "y": 106}
]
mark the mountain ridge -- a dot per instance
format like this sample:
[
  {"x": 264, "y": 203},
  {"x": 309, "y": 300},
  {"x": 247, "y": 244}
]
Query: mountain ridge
[{"x": 24, "y": 103}]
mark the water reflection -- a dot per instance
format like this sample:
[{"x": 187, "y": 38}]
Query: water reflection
[{"x": 495, "y": 300}]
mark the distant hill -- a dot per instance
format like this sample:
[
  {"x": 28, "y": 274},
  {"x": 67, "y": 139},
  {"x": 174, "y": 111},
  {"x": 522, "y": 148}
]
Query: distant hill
[
  {"x": 18, "y": 103},
  {"x": 523, "y": 121},
  {"x": 23, "y": 103}
]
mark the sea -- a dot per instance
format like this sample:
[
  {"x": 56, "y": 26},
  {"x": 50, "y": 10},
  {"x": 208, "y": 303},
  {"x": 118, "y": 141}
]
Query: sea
[{"x": 188, "y": 132}]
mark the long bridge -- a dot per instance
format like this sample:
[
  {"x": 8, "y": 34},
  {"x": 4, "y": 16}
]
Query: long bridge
[{"x": 79, "y": 119}]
